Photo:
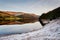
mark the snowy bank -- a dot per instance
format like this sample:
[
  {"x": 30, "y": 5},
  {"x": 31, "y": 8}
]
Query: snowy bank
[{"x": 50, "y": 31}]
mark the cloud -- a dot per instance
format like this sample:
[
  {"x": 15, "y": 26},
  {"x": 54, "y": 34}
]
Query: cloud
[{"x": 34, "y": 6}]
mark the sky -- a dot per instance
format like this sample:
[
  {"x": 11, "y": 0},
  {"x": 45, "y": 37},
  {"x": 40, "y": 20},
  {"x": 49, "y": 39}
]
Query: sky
[{"x": 29, "y": 6}]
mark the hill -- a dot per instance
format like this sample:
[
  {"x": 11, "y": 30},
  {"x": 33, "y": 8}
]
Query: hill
[
  {"x": 51, "y": 15},
  {"x": 8, "y": 17}
]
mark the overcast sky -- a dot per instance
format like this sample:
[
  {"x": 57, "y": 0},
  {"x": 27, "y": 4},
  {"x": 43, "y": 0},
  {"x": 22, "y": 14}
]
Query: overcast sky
[{"x": 32, "y": 6}]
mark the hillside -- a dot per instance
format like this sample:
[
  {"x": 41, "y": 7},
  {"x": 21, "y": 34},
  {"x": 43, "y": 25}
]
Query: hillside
[
  {"x": 51, "y": 15},
  {"x": 8, "y": 17}
]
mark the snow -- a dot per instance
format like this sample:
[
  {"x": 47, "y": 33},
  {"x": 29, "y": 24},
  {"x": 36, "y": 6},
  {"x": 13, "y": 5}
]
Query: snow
[{"x": 50, "y": 31}]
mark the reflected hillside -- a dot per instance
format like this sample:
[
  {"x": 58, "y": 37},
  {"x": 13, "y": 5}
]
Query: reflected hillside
[{"x": 7, "y": 17}]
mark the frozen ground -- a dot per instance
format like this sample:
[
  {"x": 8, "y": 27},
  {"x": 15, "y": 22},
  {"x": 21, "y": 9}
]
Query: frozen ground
[{"x": 50, "y": 31}]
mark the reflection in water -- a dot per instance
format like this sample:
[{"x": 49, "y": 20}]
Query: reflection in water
[
  {"x": 9, "y": 18},
  {"x": 18, "y": 18}
]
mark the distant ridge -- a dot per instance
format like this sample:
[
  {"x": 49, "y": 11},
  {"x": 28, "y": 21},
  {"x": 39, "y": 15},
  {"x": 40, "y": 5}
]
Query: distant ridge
[{"x": 8, "y": 17}]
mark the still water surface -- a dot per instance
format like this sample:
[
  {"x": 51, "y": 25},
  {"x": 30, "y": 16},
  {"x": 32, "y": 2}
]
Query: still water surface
[{"x": 11, "y": 29}]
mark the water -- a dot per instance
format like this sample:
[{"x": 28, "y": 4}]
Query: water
[
  {"x": 50, "y": 31},
  {"x": 12, "y": 29}
]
